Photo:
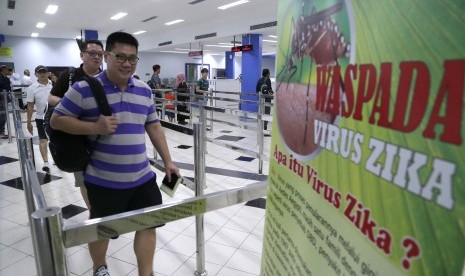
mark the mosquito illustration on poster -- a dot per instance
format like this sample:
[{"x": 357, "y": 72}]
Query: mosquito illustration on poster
[{"x": 319, "y": 34}]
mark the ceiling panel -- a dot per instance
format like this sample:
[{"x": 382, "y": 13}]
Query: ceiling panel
[{"x": 201, "y": 18}]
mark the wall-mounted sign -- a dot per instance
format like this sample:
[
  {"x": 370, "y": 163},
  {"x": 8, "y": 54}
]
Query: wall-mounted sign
[
  {"x": 195, "y": 53},
  {"x": 236, "y": 49},
  {"x": 6, "y": 52},
  {"x": 246, "y": 48},
  {"x": 243, "y": 48}
]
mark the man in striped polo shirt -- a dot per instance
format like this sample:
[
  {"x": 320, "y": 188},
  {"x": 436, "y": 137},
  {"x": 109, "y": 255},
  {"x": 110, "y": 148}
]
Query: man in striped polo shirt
[{"x": 118, "y": 177}]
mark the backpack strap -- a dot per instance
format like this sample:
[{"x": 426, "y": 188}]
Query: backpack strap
[
  {"x": 99, "y": 95},
  {"x": 101, "y": 99},
  {"x": 71, "y": 76}
]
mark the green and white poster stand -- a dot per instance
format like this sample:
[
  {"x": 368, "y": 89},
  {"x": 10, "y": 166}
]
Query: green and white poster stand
[{"x": 367, "y": 158}]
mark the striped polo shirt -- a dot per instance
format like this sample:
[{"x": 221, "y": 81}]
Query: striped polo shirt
[{"x": 119, "y": 160}]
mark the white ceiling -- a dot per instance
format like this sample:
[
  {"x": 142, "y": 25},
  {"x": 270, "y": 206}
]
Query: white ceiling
[{"x": 201, "y": 18}]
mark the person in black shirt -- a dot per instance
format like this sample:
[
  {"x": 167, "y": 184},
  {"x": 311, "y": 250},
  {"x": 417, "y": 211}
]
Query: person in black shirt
[
  {"x": 181, "y": 87},
  {"x": 264, "y": 85},
  {"x": 91, "y": 55},
  {"x": 5, "y": 85}
]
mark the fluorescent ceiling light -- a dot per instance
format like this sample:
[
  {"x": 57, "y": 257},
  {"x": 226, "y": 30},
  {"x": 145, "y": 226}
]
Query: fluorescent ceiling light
[
  {"x": 118, "y": 16},
  {"x": 273, "y": 36},
  {"x": 233, "y": 4},
  {"x": 223, "y": 46},
  {"x": 185, "y": 49},
  {"x": 226, "y": 43},
  {"x": 174, "y": 52},
  {"x": 51, "y": 9},
  {"x": 174, "y": 22},
  {"x": 139, "y": 32},
  {"x": 34, "y": 35},
  {"x": 40, "y": 25},
  {"x": 269, "y": 40}
]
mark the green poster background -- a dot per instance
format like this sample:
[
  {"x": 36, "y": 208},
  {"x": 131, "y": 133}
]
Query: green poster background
[{"x": 331, "y": 212}]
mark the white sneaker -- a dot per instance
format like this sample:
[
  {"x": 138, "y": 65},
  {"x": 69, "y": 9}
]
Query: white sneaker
[
  {"x": 102, "y": 271},
  {"x": 46, "y": 167}
]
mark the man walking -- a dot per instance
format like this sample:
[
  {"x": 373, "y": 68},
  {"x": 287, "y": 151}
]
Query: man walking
[
  {"x": 91, "y": 56},
  {"x": 118, "y": 177},
  {"x": 37, "y": 94}
]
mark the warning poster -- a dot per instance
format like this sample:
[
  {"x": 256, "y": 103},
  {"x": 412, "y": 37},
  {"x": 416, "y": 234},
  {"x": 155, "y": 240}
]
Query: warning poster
[{"x": 367, "y": 158}]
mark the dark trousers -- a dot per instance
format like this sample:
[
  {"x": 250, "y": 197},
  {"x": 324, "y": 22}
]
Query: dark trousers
[
  {"x": 2, "y": 115},
  {"x": 20, "y": 99},
  {"x": 267, "y": 111}
]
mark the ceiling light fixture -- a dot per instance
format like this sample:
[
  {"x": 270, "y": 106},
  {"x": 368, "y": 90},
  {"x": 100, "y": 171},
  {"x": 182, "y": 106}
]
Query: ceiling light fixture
[
  {"x": 139, "y": 32},
  {"x": 226, "y": 43},
  {"x": 51, "y": 9},
  {"x": 233, "y": 4},
  {"x": 174, "y": 52},
  {"x": 34, "y": 35},
  {"x": 185, "y": 49},
  {"x": 40, "y": 25},
  {"x": 174, "y": 22},
  {"x": 118, "y": 16},
  {"x": 222, "y": 46},
  {"x": 273, "y": 36},
  {"x": 266, "y": 40}
]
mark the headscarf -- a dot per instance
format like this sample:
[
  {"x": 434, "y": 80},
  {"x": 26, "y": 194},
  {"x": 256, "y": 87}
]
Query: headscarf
[{"x": 180, "y": 78}]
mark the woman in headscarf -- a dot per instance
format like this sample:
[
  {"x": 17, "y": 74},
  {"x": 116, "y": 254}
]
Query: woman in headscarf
[{"x": 181, "y": 87}]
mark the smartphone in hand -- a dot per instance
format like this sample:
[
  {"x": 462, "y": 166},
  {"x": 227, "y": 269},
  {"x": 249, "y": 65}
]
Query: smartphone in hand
[{"x": 169, "y": 187}]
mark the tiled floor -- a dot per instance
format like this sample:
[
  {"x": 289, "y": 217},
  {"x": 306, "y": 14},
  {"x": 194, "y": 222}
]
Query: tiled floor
[{"x": 233, "y": 235}]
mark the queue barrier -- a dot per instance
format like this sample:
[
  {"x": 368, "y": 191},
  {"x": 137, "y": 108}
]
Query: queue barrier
[
  {"x": 200, "y": 102},
  {"x": 50, "y": 237},
  {"x": 8, "y": 103}
]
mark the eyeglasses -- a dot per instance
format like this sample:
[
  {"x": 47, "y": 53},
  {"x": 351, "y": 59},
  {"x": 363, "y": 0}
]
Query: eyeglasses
[
  {"x": 93, "y": 54},
  {"x": 122, "y": 58}
]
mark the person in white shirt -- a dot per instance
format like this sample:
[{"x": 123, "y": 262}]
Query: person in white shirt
[
  {"x": 25, "y": 80},
  {"x": 37, "y": 94},
  {"x": 15, "y": 81}
]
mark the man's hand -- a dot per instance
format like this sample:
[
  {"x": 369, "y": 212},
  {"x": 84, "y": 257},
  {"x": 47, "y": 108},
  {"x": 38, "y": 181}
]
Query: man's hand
[
  {"x": 171, "y": 168},
  {"x": 106, "y": 125},
  {"x": 29, "y": 127}
]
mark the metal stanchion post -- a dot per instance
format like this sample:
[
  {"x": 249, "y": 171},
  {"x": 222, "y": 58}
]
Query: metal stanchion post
[
  {"x": 23, "y": 151},
  {"x": 260, "y": 131},
  {"x": 192, "y": 98},
  {"x": 211, "y": 111},
  {"x": 5, "y": 107},
  {"x": 163, "y": 105},
  {"x": 203, "y": 120},
  {"x": 175, "y": 105},
  {"x": 49, "y": 251},
  {"x": 199, "y": 171},
  {"x": 155, "y": 102}
]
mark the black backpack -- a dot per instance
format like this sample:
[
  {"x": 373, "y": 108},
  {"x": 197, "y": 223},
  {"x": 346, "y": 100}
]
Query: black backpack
[
  {"x": 151, "y": 84},
  {"x": 71, "y": 153},
  {"x": 48, "y": 113}
]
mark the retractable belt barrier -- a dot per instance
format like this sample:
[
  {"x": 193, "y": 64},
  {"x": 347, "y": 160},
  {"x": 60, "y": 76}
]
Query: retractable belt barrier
[
  {"x": 50, "y": 237},
  {"x": 199, "y": 101}
]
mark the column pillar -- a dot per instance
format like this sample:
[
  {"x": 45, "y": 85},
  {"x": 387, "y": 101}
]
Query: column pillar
[
  {"x": 251, "y": 70},
  {"x": 230, "y": 59}
]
